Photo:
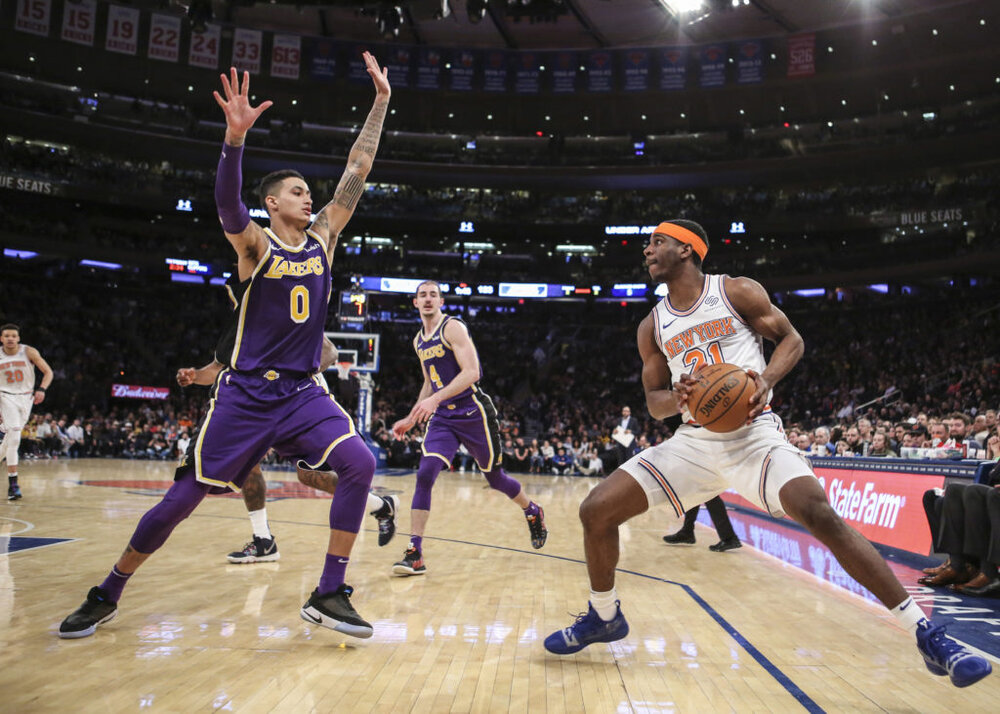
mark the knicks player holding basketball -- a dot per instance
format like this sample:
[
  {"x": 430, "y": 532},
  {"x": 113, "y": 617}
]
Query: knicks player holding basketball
[
  {"x": 18, "y": 394},
  {"x": 270, "y": 394},
  {"x": 708, "y": 319},
  {"x": 456, "y": 412}
]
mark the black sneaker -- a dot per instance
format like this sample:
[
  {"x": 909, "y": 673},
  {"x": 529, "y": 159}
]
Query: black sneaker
[
  {"x": 259, "y": 550},
  {"x": 334, "y": 610},
  {"x": 726, "y": 544},
  {"x": 411, "y": 564},
  {"x": 387, "y": 521},
  {"x": 679, "y": 538},
  {"x": 96, "y": 610},
  {"x": 13, "y": 492},
  {"x": 536, "y": 524}
]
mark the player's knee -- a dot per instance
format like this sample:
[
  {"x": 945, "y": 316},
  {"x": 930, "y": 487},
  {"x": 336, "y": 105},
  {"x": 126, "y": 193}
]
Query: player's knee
[{"x": 592, "y": 512}]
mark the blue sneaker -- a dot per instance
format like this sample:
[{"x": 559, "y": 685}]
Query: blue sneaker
[
  {"x": 588, "y": 629},
  {"x": 943, "y": 655}
]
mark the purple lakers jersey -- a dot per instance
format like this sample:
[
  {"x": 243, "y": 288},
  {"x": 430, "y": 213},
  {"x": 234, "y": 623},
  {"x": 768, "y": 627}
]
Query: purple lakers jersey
[
  {"x": 282, "y": 312},
  {"x": 438, "y": 359}
]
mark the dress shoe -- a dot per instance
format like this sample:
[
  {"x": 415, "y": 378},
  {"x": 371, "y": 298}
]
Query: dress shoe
[
  {"x": 977, "y": 582},
  {"x": 679, "y": 538},
  {"x": 948, "y": 576},
  {"x": 990, "y": 590},
  {"x": 937, "y": 568},
  {"x": 726, "y": 544}
]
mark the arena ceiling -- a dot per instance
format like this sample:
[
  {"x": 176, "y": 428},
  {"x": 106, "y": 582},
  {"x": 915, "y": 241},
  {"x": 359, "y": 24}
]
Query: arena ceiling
[{"x": 557, "y": 24}]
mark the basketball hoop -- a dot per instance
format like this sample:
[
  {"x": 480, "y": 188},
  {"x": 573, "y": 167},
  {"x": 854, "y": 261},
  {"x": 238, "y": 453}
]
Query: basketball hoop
[{"x": 344, "y": 369}]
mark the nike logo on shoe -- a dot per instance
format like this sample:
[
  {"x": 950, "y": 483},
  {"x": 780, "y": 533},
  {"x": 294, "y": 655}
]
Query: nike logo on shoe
[{"x": 309, "y": 616}]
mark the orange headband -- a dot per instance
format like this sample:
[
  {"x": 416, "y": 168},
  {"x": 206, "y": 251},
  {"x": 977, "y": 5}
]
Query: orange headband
[{"x": 684, "y": 235}]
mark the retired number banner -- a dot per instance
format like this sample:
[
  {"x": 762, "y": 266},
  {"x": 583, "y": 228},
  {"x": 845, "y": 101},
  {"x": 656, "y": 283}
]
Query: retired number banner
[
  {"x": 79, "y": 19},
  {"x": 33, "y": 16},
  {"x": 123, "y": 30},
  {"x": 164, "y": 38}
]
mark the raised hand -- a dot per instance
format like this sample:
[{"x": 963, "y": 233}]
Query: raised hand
[
  {"x": 240, "y": 116},
  {"x": 185, "y": 376},
  {"x": 379, "y": 76}
]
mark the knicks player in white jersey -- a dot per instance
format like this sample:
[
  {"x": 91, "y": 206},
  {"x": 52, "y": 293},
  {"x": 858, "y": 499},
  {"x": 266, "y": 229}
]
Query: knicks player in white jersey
[
  {"x": 18, "y": 393},
  {"x": 707, "y": 319}
]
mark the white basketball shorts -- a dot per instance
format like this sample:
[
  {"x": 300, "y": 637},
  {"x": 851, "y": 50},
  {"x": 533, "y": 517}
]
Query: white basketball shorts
[
  {"x": 15, "y": 409},
  {"x": 696, "y": 465}
]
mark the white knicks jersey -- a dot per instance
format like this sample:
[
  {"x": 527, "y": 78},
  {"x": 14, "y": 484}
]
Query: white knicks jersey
[
  {"x": 709, "y": 332},
  {"x": 17, "y": 374}
]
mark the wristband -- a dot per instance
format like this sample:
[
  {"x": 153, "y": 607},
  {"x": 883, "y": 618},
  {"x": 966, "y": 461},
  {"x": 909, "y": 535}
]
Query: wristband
[{"x": 39, "y": 389}]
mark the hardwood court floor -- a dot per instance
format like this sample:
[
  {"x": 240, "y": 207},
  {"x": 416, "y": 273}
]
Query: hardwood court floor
[{"x": 196, "y": 634}]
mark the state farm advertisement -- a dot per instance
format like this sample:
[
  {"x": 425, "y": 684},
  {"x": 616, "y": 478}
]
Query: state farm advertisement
[
  {"x": 884, "y": 506},
  {"x": 136, "y": 391}
]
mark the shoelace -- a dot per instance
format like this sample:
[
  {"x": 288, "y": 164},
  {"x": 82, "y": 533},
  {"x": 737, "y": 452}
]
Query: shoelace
[{"x": 952, "y": 651}]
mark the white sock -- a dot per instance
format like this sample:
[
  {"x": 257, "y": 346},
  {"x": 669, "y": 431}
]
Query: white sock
[
  {"x": 909, "y": 615},
  {"x": 605, "y": 604},
  {"x": 374, "y": 502},
  {"x": 258, "y": 519}
]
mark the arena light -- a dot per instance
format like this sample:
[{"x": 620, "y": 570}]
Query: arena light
[
  {"x": 810, "y": 292},
  {"x": 101, "y": 264},
  {"x": 22, "y": 254}
]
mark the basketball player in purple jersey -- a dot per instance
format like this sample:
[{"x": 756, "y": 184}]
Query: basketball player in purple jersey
[
  {"x": 707, "y": 319},
  {"x": 271, "y": 395},
  {"x": 262, "y": 547},
  {"x": 456, "y": 412}
]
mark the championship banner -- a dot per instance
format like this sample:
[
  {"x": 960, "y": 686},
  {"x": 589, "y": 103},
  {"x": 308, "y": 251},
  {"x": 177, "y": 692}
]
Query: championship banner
[
  {"x": 33, "y": 17},
  {"x": 137, "y": 391},
  {"x": 286, "y": 55},
  {"x": 429, "y": 68},
  {"x": 600, "y": 71},
  {"x": 164, "y": 38},
  {"x": 635, "y": 69},
  {"x": 462, "y": 72},
  {"x": 398, "y": 61},
  {"x": 749, "y": 62},
  {"x": 204, "y": 51},
  {"x": 673, "y": 68},
  {"x": 528, "y": 76},
  {"x": 320, "y": 58},
  {"x": 713, "y": 66},
  {"x": 123, "y": 30},
  {"x": 79, "y": 21},
  {"x": 802, "y": 55},
  {"x": 495, "y": 72},
  {"x": 564, "y": 71},
  {"x": 247, "y": 48},
  {"x": 357, "y": 70}
]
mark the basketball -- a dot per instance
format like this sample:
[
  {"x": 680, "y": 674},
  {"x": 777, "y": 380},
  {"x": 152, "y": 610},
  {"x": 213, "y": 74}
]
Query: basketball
[{"x": 720, "y": 401}]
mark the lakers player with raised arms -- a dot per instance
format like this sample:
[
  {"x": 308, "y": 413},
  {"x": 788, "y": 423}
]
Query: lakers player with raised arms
[
  {"x": 18, "y": 394},
  {"x": 707, "y": 319},
  {"x": 269, "y": 393},
  {"x": 457, "y": 412}
]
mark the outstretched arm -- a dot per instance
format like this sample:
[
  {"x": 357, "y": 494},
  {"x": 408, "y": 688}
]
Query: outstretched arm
[
  {"x": 246, "y": 237},
  {"x": 35, "y": 357},
  {"x": 330, "y": 221}
]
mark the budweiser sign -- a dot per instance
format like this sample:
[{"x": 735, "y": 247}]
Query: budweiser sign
[{"x": 137, "y": 391}]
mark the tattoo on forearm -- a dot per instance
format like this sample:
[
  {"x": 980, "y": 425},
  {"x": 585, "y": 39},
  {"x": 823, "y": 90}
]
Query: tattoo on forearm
[
  {"x": 349, "y": 190},
  {"x": 367, "y": 141}
]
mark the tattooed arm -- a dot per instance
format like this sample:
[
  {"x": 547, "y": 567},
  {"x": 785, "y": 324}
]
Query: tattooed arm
[{"x": 331, "y": 220}]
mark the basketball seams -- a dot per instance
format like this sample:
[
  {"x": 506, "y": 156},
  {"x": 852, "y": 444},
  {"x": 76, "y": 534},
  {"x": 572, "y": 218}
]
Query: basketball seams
[{"x": 710, "y": 390}]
